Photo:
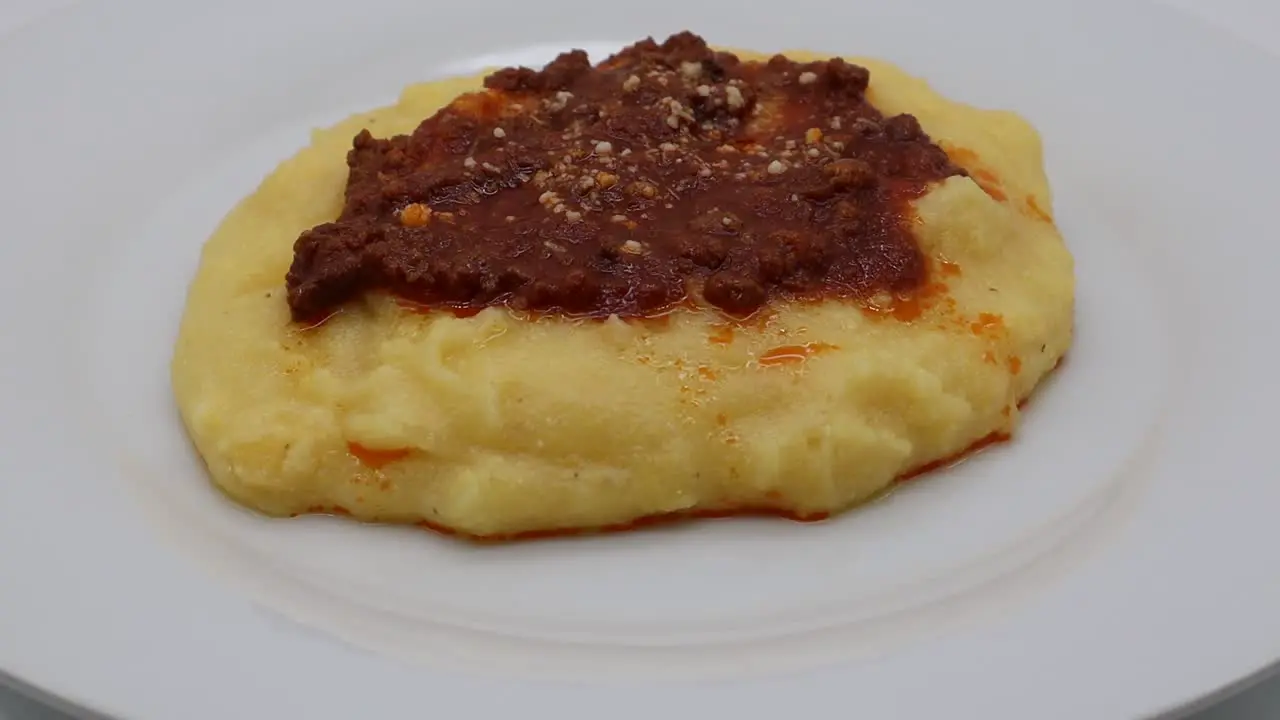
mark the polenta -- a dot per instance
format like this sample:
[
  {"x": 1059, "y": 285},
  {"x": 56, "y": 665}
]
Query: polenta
[{"x": 738, "y": 284}]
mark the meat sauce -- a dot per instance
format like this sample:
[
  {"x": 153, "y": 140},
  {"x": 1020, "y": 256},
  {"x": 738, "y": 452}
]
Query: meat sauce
[{"x": 666, "y": 174}]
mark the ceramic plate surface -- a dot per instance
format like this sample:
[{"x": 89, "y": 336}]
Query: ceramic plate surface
[{"x": 1112, "y": 562}]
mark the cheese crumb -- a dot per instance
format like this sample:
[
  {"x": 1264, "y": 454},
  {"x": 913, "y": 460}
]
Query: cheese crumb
[{"x": 736, "y": 101}]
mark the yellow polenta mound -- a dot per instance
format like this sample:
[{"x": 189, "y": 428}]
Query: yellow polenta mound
[{"x": 495, "y": 425}]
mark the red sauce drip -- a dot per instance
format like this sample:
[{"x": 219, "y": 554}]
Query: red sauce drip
[
  {"x": 329, "y": 510},
  {"x": 788, "y": 354},
  {"x": 638, "y": 524},
  {"x": 721, "y": 335},
  {"x": 969, "y": 160},
  {"x": 950, "y": 460},
  {"x": 458, "y": 311},
  {"x": 987, "y": 324},
  {"x": 910, "y": 307},
  {"x": 1036, "y": 211},
  {"x": 377, "y": 459},
  {"x": 990, "y": 184}
]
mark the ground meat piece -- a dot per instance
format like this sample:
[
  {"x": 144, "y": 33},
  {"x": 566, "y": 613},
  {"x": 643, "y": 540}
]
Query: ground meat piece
[
  {"x": 850, "y": 173},
  {"x": 903, "y": 128},
  {"x": 735, "y": 293}
]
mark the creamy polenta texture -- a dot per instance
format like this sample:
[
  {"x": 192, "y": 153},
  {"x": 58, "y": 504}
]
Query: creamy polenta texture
[{"x": 496, "y": 425}]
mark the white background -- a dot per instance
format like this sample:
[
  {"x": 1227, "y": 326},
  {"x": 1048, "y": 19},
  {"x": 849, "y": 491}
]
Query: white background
[{"x": 1256, "y": 21}]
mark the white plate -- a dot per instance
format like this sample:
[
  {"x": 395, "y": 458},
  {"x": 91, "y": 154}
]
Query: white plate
[{"x": 1112, "y": 562}]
